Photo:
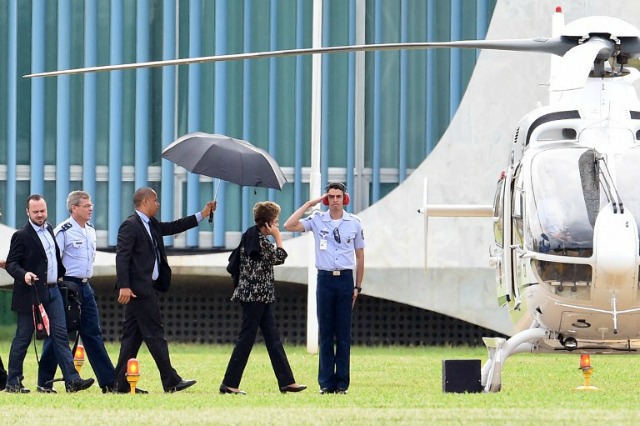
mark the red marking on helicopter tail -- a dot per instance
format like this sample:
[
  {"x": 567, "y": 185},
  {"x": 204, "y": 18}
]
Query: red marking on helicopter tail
[{"x": 558, "y": 9}]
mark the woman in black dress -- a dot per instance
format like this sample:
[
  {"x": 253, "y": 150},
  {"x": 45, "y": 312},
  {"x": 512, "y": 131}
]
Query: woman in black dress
[{"x": 256, "y": 294}]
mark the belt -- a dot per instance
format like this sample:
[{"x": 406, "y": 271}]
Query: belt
[
  {"x": 336, "y": 273},
  {"x": 77, "y": 280}
]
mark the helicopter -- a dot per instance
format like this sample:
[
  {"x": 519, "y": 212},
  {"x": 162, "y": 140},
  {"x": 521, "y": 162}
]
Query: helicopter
[
  {"x": 566, "y": 249},
  {"x": 566, "y": 210}
]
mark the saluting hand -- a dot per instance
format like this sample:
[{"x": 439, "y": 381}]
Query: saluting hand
[{"x": 317, "y": 200}]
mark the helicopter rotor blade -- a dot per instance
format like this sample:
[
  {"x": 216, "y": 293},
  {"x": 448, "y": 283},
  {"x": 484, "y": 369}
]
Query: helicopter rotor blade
[
  {"x": 575, "y": 66},
  {"x": 557, "y": 46}
]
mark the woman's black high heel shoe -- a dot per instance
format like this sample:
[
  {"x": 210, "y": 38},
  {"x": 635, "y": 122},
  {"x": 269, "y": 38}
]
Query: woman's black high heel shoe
[
  {"x": 293, "y": 388},
  {"x": 226, "y": 389}
]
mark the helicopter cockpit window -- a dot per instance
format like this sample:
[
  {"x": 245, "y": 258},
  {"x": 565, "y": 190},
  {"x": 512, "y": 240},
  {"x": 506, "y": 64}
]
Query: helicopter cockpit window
[
  {"x": 555, "y": 134},
  {"x": 562, "y": 203},
  {"x": 498, "y": 212}
]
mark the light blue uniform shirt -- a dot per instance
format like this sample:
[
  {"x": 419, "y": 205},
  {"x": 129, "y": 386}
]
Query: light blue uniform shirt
[
  {"x": 49, "y": 245},
  {"x": 332, "y": 255},
  {"x": 77, "y": 247}
]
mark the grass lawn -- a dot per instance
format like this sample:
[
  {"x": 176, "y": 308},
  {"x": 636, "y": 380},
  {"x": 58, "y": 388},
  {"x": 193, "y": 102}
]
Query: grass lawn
[{"x": 390, "y": 385}]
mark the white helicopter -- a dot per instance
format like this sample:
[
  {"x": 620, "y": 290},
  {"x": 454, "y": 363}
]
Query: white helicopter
[
  {"x": 566, "y": 246},
  {"x": 567, "y": 208}
]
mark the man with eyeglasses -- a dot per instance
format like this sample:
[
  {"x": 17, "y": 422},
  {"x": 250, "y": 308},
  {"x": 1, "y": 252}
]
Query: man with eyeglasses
[
  {"x": 76, "y": 238},
  {"x": 35, "y": 264},
  {"x": 339, "y": 253}
]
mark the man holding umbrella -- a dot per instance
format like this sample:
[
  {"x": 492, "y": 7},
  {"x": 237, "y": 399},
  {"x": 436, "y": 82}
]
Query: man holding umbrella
[{"x": 142, "y": 268}]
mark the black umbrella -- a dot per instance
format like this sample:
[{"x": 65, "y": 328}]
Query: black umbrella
[{"x": 226, "y": 158}]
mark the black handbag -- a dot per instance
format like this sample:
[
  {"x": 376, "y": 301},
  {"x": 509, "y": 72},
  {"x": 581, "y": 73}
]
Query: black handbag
[{"x": 72, "y": 301}]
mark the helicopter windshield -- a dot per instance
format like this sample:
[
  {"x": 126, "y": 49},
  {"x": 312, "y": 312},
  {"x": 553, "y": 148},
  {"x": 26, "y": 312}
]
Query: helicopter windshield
[{"x": 565, "y": 202}]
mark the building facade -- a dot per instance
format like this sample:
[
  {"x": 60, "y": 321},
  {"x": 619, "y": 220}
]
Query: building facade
[{"x": 381, "y": 113}]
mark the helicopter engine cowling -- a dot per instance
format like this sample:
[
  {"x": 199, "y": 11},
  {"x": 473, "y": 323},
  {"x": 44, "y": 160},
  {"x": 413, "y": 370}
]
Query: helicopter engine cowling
[{"x": 615, "y": 244}]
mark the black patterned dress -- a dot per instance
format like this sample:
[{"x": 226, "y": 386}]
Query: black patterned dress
[
  {"x": 256, "y": 283},
  {"x": 256, "y": 294}
]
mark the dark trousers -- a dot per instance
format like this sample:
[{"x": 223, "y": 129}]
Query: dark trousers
[
  {"x": 58, "y": 341},
  {"x": 334, "y": 297},
  {"x": 143, "y": 323},
  {"x": 258, "y": 315},
  {"x": 3, "y": 375},
  {"x": 92, "y": 340}
]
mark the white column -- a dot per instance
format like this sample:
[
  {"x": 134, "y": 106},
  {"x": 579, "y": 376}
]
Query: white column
[{"x": 315, "y": 177}]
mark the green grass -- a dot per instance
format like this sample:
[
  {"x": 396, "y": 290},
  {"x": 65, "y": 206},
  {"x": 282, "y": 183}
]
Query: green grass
[{"x": 389, "y": 386}]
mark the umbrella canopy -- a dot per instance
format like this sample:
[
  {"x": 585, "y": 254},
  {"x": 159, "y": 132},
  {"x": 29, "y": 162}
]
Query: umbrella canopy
[{"x": 226, "y": 158}]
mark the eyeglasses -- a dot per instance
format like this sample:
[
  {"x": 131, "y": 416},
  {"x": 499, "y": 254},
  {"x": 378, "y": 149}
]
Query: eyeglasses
[{"x": 336, "y": 235}]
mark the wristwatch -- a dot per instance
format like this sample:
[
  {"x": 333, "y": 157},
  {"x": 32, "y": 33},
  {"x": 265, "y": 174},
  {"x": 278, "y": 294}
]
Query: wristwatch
[{"x": 359, "y": 289}]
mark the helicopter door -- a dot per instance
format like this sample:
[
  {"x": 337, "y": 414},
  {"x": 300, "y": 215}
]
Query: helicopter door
[
  {"x": 517, "y": 236},
  {"x": 496, "y": 250}
]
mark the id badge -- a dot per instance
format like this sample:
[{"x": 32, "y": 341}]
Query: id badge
[{"x": 323, "y": 244}]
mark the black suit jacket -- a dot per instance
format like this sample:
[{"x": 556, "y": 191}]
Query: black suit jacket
[
  {"x": 135, "y": 254},
  {"x": 26, "y": 254}
]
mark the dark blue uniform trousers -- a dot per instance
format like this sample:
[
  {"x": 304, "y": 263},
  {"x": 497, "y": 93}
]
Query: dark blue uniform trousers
[{"x": 334, "y": 297}]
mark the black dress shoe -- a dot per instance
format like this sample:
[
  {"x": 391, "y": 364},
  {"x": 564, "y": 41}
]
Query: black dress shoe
[
  {"x": 182, "y": 385},
  {"x": 3, "y": 378},
  {"x": 342, "y": 391},
  {"x": 79, "y": 385},
  {"x": 324, "y": 391},
  {"x": 226, "y": 389},
  {"x": 110, "y": 388},
  {"x": 45, "y": 389},
  {"x": 16, "y": 389},
  {"x": 293, "y": 388}
]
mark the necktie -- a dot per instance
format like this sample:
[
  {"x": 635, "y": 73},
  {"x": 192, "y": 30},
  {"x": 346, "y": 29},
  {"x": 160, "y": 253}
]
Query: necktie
[{"x": 156, "y": 270}]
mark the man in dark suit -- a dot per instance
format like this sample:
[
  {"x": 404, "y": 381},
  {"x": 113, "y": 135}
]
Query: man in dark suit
[
  {"x": 142, "y": 270},
  {"x": 34, "y": 263}
]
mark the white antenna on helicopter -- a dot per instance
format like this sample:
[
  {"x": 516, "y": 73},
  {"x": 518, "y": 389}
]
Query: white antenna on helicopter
[{"x": 557, "y": 27}]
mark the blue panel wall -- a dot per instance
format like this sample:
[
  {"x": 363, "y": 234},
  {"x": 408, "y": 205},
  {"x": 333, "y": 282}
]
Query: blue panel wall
[{"x": 105, "y": 132}]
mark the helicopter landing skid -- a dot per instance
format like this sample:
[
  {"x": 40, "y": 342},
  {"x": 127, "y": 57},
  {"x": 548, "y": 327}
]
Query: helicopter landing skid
[{"x": 500, "y": 349}]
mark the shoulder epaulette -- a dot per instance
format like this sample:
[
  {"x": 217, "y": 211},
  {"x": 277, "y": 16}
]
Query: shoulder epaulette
[
  {"x": 356, "y": 217},
  {"x": 63, "y": 227},
  {"x": 90, "y": 224}
]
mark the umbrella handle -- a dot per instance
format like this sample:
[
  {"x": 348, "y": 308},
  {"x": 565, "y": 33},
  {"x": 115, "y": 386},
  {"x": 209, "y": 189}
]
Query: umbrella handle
[{"x": 215, "y": 197}]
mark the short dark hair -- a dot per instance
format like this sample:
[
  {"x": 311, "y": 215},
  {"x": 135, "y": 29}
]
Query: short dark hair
[
  {"x": 336, "y": 185},
  {"x": 141, "y": 194},
  {"x": 33, "y": 197}
]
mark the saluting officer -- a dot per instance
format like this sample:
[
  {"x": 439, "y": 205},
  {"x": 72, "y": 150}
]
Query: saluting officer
[{"x": 339, "y": 249}]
